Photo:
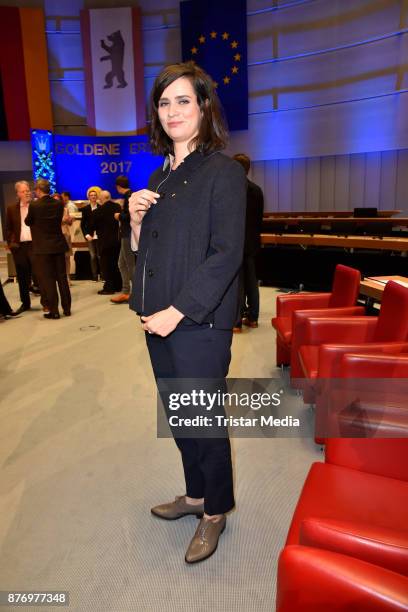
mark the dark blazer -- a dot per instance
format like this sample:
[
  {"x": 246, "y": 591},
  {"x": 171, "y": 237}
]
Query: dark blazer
[
  {"x": 13, "y": 225},
  {"x": 86, "y": 220},
  {"x": 254, "y": 217},
  {"x": 45, "y": 217},
  {"x": 105, "y": 224},
  {"x": 125, "y": 216},
  {"x": 191, "y": 241}
]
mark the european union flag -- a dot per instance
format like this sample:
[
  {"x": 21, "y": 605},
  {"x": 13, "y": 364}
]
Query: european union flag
[{"x": 213, "y": 34}]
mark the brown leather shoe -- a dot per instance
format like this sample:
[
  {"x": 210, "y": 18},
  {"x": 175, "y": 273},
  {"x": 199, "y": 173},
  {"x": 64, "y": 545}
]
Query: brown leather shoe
[
  {"x": 237, "y": 330},
  {"x": 123, "y": 298},
  {"x": 205, "y": 540},
  {"x": 177, "y": 509},
  {"x": 249, "y": 323}
]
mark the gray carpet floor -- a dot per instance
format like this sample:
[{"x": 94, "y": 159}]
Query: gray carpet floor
[{"x": 81, "y": 465}]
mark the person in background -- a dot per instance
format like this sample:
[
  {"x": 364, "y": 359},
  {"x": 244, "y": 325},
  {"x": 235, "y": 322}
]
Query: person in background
[
  {"x": 107, "y": 228},
  {"x": 248, "y": 307},
  {"x": 19, "y": 241},
  {"x": 71, "y": 206},
  {"x": 91, "y": 237},
  {"x": 49, "y": 246},
  {"x": 67, "y": 221},
  {"x": 126, "y": 257}
]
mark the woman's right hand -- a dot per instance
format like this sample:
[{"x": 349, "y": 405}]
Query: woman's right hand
[{"x": 140, "y": 202}]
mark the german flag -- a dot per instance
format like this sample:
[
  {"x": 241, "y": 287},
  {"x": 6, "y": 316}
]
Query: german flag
[{"x": 25, "y": 100}]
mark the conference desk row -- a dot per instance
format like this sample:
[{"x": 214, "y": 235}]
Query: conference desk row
[
  {"x": 335, "y": 214},
  {"x": 388, "y": 243},
  {"x": 364, "y": 226}
]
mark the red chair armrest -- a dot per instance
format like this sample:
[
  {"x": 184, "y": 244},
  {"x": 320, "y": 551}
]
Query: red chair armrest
[
  {"x": 314, "y": 580},
  {"x": 300, "y": 317},
  {"x": 382, "y": 456},
  {"x": 286, "y": 304},
  {"x": 331, "y": 356},
  {"x": 379, "y": 545},
  {"x": 375, "y": 366},
  {"x": 341, "y": 330}
]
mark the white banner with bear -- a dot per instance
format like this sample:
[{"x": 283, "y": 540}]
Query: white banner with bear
[{"x": 113, "y": 62}]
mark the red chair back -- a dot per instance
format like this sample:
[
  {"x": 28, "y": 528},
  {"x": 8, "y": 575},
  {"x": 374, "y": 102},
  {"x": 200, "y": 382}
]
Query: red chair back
[
  {"x": 346, "y": 285},
  {"x": 393, "y": 319}
]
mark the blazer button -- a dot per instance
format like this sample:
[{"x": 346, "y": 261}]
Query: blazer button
[
  {"x": 155, "y": 233},
  {"x": 150, "y": 272}
]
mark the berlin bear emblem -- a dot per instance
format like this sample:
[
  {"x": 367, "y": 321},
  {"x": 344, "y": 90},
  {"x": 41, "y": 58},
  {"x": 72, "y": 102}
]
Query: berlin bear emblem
[{"x": 116, "y": 52}]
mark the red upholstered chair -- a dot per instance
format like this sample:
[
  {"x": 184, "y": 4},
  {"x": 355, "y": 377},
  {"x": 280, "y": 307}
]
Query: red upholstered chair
[
  {"x": 293, "y": 309},
  {"x": 326, "y": 340},
  {"x": 365, "y": 403},
  {"x": 347, "y": 546}
]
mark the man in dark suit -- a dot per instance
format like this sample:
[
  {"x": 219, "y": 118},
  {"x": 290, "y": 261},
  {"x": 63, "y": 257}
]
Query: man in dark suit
[
  {"x": 106, "y": 226},
  {"x": 18, "y": 236},
  {"x": 49, "y": 245},
  {"x": 249, "y": 291}
]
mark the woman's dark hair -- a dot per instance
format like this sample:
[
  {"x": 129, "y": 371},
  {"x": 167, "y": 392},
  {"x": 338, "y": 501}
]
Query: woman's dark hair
[
  {"x": 213, "y": 134},
  {"x": 122, "y": 181}
]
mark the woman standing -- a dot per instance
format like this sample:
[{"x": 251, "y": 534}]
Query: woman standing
[
  {"x": 67, "y": 221},
  {"x": 185, "y": 285},
  {"x": 90, "y": 235}
]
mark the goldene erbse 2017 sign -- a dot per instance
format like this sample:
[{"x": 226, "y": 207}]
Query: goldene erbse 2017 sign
[{"x": 82, "y": 161}]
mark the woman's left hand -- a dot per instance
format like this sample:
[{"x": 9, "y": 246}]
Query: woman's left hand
[{"x": 163, "y": 322}]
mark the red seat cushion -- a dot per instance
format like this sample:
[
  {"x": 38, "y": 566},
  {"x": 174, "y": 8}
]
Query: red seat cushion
[
  {"x": 340, "y": 493},
  {"x": 309, "y": 360},
  {"x": 315, "y": 580},
  {"x": 379, "y": 545},
  {"x": 283, "y": 326}
]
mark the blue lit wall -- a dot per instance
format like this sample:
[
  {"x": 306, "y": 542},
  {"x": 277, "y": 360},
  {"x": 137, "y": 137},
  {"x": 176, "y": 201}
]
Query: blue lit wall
[{"x": 326, "y": 77}]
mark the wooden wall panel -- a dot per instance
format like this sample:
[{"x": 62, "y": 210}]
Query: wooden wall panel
[
  {"x": 372, "y": 180},
  {"x": 285, "y": 184},
  {"x": 357, "y": 180},
  {"x": 313, "y": 183},
  {"x": 299, "y": 184},
  {"x": 271, "y": 192},
  {"x": 341, "y": 182},
  {"x": 401, "y": 199},
  {"x": 327, "y": 176},
  {"x": 388, "y": 181}
]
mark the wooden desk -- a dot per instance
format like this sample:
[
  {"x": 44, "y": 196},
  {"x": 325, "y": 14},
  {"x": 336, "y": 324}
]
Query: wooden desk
[
  {"x": 325, "y": 213},
  {"x": 387, "y": 243},
  {"x": 373, "y": 287},
  {"x": 333, "y": 221}
]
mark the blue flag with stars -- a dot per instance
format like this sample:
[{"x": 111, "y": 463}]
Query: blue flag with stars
[{"x": 214, "y": 36}]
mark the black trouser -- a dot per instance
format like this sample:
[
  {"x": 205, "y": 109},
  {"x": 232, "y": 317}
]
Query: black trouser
[
  {"x": 199, "y": 353},
  {"x": 94, "y": 255},
  {"x": 23, "y": 261},
  {"x": 5, "y": 308},
  {"x": 51, "y": 270},
  {"x": 248, "y": 290},
  {"x": 109, "y": 257}
]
